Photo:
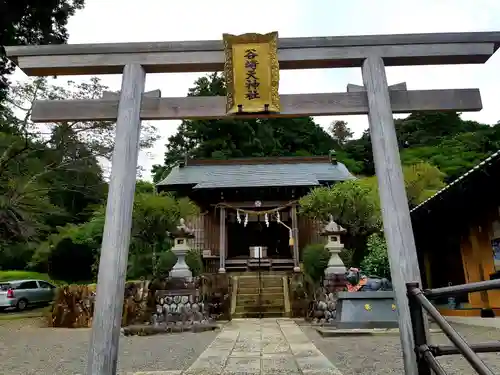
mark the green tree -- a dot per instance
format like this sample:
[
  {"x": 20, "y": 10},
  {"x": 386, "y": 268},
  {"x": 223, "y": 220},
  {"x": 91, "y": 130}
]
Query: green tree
[
  {"x": 456, "y": 154},
  {"x": 441, "y": 139},
  {"x": 153, "y": 217},
  {"x": 340, "y": 131},
  {"x": 352, "y": 204},
  {"x": 315, "y": 260},
  {"x": 376, "y": 261},
  {"x": 422, "y": 180},
  {"x": 32, "y": 22}
]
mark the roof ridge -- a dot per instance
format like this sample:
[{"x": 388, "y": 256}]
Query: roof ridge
[{"x": 260, "y": 160}]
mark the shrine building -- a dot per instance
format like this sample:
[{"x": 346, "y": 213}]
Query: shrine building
[
  {"x": 249, "y": 215},
  {"x": 457, "y": 233}
]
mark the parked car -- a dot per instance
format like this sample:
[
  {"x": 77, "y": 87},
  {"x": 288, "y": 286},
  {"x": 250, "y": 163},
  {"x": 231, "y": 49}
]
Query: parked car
[{"x": 22, "y": 293}]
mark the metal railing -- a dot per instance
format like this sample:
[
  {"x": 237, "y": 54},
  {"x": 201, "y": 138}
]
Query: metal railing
[{"x": 427, "y": 353}]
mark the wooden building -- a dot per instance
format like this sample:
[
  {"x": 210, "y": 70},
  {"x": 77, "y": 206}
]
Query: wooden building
[
  {"x": 249, "y": 207},
  {"x": 457, "y": 233}
]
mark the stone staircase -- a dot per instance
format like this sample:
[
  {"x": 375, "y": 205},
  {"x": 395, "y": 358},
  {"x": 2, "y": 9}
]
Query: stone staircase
[{"x": 265, "y": 297}]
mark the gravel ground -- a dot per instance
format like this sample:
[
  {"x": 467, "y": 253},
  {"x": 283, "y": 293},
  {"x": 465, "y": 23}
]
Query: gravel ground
[
  {"x": 380, "y": 355},
  {"x": 28, "y": 349}
]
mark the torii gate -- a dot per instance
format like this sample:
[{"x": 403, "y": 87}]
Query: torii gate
[{"x": 134, "y": 60}]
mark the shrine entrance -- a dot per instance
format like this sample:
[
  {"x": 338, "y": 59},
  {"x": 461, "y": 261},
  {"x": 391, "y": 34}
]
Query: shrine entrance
[
  {"x": 272, "y": 236},
  {"x": 252, "y": 63}
]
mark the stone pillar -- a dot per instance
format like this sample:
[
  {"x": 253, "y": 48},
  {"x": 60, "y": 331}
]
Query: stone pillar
[
  {"x": 296, "y": 266},
  {"x": 180, "y": 249},
  {"x": 222, "y": 240}
]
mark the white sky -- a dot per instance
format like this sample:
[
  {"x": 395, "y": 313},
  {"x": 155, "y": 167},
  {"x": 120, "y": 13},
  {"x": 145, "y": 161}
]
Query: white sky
[{"x": 159, "y": 20}]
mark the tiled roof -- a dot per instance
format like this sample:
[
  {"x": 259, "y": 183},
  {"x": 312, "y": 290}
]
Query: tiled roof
[{"x": 256, "y": 175}]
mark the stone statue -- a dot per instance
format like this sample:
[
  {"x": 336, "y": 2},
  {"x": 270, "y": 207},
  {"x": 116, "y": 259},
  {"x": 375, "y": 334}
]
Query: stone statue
[{"x": 358, "y": 282}]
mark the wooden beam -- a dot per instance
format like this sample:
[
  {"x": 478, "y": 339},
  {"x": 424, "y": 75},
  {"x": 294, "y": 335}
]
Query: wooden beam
[
  {"x": 297, "y": 105},
  {"x": 401, "y": 248},
  {"x": 283, "y": 43},
  {"x": 155, "y": 60},
  {"x": 115, "y": 95},
  {"x": 103, "y": 348},
  {"x": 360, "y": 88}
]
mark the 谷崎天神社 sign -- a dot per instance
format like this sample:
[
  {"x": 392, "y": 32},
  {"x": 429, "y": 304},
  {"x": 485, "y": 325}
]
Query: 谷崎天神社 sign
[{"x": 251, "y": 70}]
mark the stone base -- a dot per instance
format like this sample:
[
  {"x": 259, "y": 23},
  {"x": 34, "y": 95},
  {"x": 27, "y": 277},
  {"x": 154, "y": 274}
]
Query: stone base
[
  {"x": 181, "y": 304},
  {"x": 365, "y": 310}
]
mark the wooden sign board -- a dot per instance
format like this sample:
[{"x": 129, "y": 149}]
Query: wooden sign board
[{"x": 251, "y": 70}]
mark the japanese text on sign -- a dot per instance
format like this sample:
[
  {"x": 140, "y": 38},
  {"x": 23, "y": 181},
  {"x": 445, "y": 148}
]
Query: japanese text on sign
[{"x": 251, "y": 81}]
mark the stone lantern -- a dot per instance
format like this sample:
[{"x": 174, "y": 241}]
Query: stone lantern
[
  {"x": 181, "y": 236},
  {"x": 334, "y": 245}
]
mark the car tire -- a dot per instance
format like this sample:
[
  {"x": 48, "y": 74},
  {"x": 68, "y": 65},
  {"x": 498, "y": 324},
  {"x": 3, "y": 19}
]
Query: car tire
[{"x": 22, "y": 304}]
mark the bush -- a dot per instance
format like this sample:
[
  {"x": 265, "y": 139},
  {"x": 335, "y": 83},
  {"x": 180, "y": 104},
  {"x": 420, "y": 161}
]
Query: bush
[
  {"x": 315, "y": 259},
  {"x": 347, "y": 257},
  {"x": 194, "y": 262},
  {"x": 166, "y": 261},
  {"x": 376, "y": 262}
]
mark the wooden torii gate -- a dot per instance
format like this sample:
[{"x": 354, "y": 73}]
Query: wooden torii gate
[{"x": 133, "y": 60}]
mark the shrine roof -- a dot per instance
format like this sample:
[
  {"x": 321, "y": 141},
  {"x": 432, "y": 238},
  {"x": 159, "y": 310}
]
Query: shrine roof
[
  {"x": 474, "y": 190},
  {"x": 257, "y": 172}
]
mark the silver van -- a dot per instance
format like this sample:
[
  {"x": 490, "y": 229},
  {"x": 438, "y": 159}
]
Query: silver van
[{"x": 22, "y": 293}]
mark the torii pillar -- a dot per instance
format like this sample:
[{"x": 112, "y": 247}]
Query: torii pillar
[{"x": 118, "y": 224}]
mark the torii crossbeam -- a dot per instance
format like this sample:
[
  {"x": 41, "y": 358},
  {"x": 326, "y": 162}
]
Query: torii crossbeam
[{"x": 371, "y": 53}]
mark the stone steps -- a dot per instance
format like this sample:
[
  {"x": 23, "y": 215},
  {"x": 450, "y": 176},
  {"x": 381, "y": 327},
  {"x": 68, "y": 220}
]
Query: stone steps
[
  {"x": 256, "y": 315},
  {"x": 264, "y": 282},
  {"x": 260, "y": 295},
  {"x": 245, "y": 290},
  {"x": 253, "y": 300},
  {"x": 263, "y": 311}
]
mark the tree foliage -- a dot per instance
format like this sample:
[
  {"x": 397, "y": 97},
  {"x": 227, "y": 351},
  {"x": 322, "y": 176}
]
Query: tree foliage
[
  {"x": 154, "y": 216},
  {"x": 315, "y": 259},
  {"x": 441, "y": 139},
  {"x": 340, "y": 132},
  {"x": 376, "y": 261},
  {"x": 352, "y": 204},
  {"x": 32, "y": 22}
]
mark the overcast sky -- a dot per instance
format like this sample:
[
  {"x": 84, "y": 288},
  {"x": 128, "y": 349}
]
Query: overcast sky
[{"x": 160, "y": 20}]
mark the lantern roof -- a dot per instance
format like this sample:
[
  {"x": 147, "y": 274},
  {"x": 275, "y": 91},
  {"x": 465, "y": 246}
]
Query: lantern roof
[
  {"x": 182, "y": 231},
  {"x": 332, "y": 228}
]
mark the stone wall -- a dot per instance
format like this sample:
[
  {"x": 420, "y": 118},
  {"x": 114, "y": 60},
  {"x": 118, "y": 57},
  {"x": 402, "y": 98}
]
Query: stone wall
[{"x": 323, "y": 308}]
